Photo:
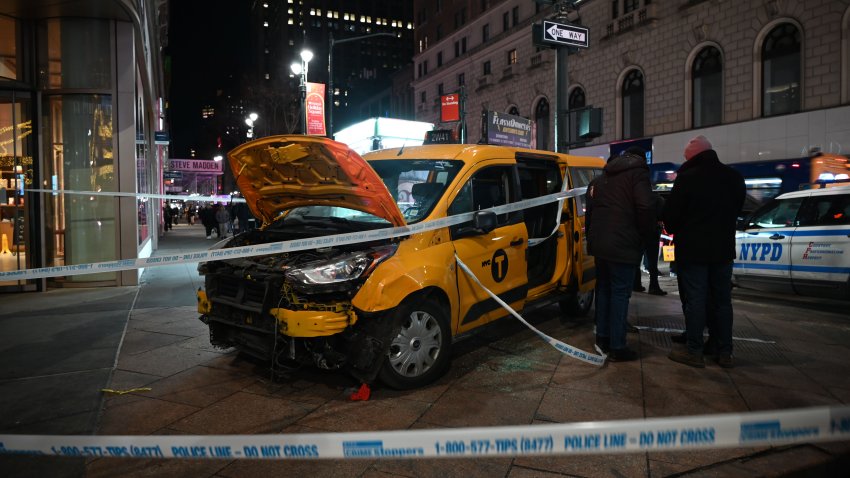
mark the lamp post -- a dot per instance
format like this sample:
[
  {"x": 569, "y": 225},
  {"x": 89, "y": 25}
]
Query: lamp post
[
  {"x": 250, "y": 122},
  {"x": 301, "y": 69},
  {"x": 331, "y": 71}
]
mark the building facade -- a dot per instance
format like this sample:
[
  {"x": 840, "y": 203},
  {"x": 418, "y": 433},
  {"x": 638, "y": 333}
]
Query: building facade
[
  {"x": 762, "y": 80},
  {"x": 81, "y": 101},
  {"x": 372, "y": 39}
]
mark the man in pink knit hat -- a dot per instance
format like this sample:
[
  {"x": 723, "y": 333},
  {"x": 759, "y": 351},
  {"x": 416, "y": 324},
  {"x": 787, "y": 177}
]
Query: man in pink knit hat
[{"x": 701, "y": 212}]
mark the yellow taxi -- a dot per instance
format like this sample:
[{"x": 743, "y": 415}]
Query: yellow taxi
[{"x": 390, "y": 306}]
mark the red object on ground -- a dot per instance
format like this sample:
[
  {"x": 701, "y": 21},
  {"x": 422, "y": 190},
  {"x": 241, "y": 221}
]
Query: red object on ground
[{"x": 361, "y": 395}]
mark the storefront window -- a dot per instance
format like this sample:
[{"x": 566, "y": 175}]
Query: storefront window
[
  {"x": 143, "y": 205},
  {"x": 79, "y": 157},
  {"x": 77, "y": 54},
  {"x": 16, "y": 173},
  {"x": 8, "y": 48}
]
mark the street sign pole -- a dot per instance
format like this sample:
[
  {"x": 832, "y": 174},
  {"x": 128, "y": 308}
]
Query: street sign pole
[
  {"x": 462, "y": 114},
  {"x": 562, "y": 82}
]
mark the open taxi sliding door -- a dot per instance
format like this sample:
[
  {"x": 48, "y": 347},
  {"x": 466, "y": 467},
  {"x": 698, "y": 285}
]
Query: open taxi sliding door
[
  {"x": 497, "y": 257},
  {"x": 583, "y": 265}
]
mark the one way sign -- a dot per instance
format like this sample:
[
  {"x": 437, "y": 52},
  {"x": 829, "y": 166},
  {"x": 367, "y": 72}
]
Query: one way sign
[{"x": 564, "y": 35}]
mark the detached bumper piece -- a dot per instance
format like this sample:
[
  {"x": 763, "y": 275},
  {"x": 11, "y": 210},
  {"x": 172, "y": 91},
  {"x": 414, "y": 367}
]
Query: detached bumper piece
[{"x": 312, "y": 323}]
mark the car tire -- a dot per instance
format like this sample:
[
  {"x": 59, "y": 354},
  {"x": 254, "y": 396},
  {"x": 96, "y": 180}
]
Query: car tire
[
  {"x": 419, "y": 352},
  {"x": 579, "y": 304}
]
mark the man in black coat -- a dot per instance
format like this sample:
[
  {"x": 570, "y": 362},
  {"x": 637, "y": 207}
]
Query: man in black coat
[
  {"x": 701, "y": 213},
  {"x": 620, "y": 221}
]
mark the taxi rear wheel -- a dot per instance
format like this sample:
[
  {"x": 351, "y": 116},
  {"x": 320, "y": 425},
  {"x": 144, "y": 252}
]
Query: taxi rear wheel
[
  {"x": 419, "y": 352},
  {"x": 579, "y": 304}
]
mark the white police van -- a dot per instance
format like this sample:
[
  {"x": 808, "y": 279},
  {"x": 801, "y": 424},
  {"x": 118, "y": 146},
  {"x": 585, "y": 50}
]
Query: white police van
[{"x": 797, "y": 243}]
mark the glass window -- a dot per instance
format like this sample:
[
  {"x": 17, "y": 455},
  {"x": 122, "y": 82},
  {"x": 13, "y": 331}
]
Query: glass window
[
  {"x": 489, "y": 187},
  {"x": 512, "y": 58},
  {"x": 440, "y": 59},
  {"x": 77, "y": 54},
  {"x": 486, "y": 67},
  {"x": 8, "y": 48},
  {"x": 778, "y": 213},
  {"x": 461, "y": 79},
  {"x": 16, "y": 174},
  {"x": 416, "y": 185},
  {"x": 485, "y": 33},
  {"x": 707, "y": 88},
  {"x": 581, "y": 177},
  {"x": 826, "y": 210},
  {"x": 576, "y": 99},
  {"x": 781, "y": 71},
  {"x": 515, "y": 16},
  {"x": 541, "y": 116},
  {"x": 633, "y": 105},
  {"x": 79, "y": 156},
  {"x": 505, "y": 22}
]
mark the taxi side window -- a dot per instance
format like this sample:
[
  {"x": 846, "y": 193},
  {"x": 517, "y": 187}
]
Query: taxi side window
[
  {"x": 581, "y": 177},
  {"x": 827, "y": 210},
  {"x": 490, "y": 187},
  {"x": 780, "y": 213}
]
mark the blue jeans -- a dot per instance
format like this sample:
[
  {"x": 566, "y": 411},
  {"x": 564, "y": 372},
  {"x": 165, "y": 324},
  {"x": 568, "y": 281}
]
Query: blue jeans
[
  {"x": 706, "y": 291},
  {"x": 614, "y": 281}
]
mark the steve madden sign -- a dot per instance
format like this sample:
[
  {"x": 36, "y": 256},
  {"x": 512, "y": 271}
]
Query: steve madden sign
[{"x": 195, "y": 165}]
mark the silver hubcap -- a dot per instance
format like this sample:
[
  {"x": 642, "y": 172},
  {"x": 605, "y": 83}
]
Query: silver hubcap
[{"x": 417, "y": 346}]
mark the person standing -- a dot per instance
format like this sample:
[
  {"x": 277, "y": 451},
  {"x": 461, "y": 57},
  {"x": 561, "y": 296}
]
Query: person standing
[
  {"x": 620, "y": 221},
  {"x": 701, "y": 212},
  {"x": 222, "y": 217},
  {"x": 207, "y": 216}
]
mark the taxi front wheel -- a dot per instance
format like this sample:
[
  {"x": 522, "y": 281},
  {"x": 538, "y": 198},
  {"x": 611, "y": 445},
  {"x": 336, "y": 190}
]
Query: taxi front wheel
[
  {"x": 419, "y": 353},
  {"x": 578, "y": 305}
]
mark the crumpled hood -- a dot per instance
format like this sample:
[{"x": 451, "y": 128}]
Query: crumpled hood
[
  {"x": 278, "y": 173},
  {"x": 624, "y": 163}
]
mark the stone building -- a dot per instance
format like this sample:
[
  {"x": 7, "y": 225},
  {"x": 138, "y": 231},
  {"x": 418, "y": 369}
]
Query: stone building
[{"x": 762, "y": 79}]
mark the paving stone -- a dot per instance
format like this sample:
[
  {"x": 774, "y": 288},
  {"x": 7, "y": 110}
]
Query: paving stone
[
  {"x": 440, "y": 468},
  {"x": 142, "y": 416},
  {"x": 243, "y": 413},
  {"x": 343, "y": 415},
  {"x": 199, "y": 386},
  {"x": 777, "y": 397},
  {"x": 164, "y": 361},
  {"x": 620, "y": 378},
  {"x": 561, "y": 405},
  {"x": 303, "y": 468},
  {"x": 472, "y": 408},
  {"x": 163, "y": 468},
  {"x": 669, "y": 402},
  {"x": 583, "y": 465},
  {"x": 140, "y": 341}
]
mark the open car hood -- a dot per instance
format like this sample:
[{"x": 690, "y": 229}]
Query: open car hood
[{"x": 278, "y": 173}]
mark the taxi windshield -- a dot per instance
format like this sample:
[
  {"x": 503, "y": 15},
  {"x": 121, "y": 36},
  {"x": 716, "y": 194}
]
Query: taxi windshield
[{"x": 416, "y": 185}]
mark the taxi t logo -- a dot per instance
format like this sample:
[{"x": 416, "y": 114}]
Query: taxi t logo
[{"x": 499, "y": 265}]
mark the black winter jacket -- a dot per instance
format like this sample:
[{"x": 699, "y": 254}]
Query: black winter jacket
[
  {"x": 621, "y": 214},
  {"x": 703, "y": 208}
]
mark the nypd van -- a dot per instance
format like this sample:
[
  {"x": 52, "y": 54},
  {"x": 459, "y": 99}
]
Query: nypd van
[{"x": 797, "y": 243}]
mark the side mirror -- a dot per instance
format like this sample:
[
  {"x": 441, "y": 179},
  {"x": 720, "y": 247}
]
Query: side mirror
[{"x": 484, "y": 221}]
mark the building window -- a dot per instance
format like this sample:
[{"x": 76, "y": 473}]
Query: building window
[
  {"x": 576, "y": 100},
  {"x": 505, "y": 22},
  {"x": 515, "y": 16},
  {"x": 512, "y": 57},
  {"x": 422, "y": 97},
  {"x": 781, "y": 71},
  {"x": 425, "y": 67},
  {"x": 461, "y": 79},
  {"x": 485, "y": 33},
  {"x": 463, "y": 45},
  {"x": 439, "y": 59},
  {"x": 439, "y": 32},
  {"x": 707, "y": 98},
  {"x": 457, "y": 49},
  {"x": 9, "y": 58},
  {"x": 513, "y": 111},
  {"x": 487, "y": 67},
  {"x": 541, "y": 117},
  {"x": 633, "y": 105},
  {"x": 440, "y": 89},
  {"x": 630, "y": 5},
  {"x": 419, "y": 67},
  {"x": 615, "y": 8}
]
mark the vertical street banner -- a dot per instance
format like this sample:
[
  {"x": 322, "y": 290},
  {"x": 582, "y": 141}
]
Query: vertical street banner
[
  {"x": 508, "y": 130},
  {"x": 315, "y": 109},
  {"x": 450, "y": 108}
]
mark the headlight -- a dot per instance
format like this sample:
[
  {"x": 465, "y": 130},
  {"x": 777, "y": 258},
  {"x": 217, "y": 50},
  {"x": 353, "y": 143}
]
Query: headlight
[{"x": 340, "y": 269}]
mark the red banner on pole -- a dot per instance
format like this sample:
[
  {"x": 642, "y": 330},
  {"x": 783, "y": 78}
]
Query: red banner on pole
[
  {"x": 450, "y": 107},
  {"x": 315, "y": 106}
]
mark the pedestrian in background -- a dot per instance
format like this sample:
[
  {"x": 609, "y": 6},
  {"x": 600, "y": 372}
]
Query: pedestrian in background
[
  {"x": 207, "y": 216},
  {"x": 222, "y": 217},
  {"x": 701, "y": 212},
  {"x": 620, "y": 220},
  {"x": 650, "y": 255}
]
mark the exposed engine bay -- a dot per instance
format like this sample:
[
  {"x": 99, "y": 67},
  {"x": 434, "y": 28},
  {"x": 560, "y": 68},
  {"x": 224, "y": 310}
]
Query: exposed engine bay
[{"x": 246, "y": 294}]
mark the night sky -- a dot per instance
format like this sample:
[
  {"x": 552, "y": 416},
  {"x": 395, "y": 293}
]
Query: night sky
[{"x": 207, "y": 41}]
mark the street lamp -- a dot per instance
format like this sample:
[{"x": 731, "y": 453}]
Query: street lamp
[
  {"x": 301, "y": 70},
  {"x": 250, "y": 122},
  {"x": 331, "y": 71}
]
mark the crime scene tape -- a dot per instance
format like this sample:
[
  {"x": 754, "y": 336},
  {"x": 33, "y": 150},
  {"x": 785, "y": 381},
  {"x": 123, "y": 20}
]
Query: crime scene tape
[
  {"x": 753, "y": 429},
  {"x": 598, "y": 360},
  {"x": 278, "y": 247},
  {"x": 137, "y": 195}
]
